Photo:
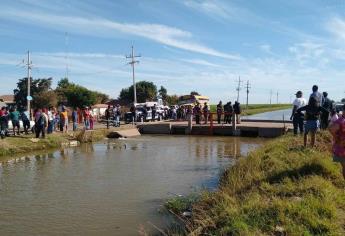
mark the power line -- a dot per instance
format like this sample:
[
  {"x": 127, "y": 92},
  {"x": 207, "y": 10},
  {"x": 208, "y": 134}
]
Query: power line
[
  {"x": 247, "y": 91},
  {"x": 238, "y": 88},
  {"x": 66, "y": 55},
  {"x": 132, "y": 63}
]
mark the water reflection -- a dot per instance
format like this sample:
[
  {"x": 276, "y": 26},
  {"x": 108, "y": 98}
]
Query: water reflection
[{"x": 109, "y": 188}]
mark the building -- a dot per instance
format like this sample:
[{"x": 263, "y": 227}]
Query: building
[{"x": 7, "y": 99}]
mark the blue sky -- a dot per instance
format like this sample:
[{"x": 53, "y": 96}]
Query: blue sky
[{"x": 201, "y": 45}]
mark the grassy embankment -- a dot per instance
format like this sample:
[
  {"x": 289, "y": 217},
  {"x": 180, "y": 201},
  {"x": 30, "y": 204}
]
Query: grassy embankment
[
  {"x": 27, "y": 143},
  {"x": 258, "y": 108},
  {"x": 279, "y": 189}
]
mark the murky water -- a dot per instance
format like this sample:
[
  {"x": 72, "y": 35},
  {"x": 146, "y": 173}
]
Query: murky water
[
  {"x": 110, "y": 188},
  {"x": 272, "y": 115}
]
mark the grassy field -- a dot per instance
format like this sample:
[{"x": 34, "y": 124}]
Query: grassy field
[
  {"x": 279, "y": 189},
  {"x": 258, "y": 108}
]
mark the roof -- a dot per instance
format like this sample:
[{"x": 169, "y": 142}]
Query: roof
[
  {"x": 100, "y": 106},
  {"x": 7, "y": 98}
]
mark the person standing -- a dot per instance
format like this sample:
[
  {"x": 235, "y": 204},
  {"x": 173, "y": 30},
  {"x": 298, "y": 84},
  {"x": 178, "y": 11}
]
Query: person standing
[
  {"x": 26, "y": 121},
  {"x": 57, "y": 121},
  {"x": 154, "y": 109},
  {"x": 317, "y": 95},
  {"x": 132, "y": 110},
  {"x": 107, "y": 116},
  {"x": 117, "y": 115},
  {"x": 219, "y": 111},
  {"x": 3, "y": 122},
  {"x": 197, "y": 113},
  {"x": 237, "y": 111},
  {"x": 298, "y": 118},
  {"x": 92, "y": 118},
  {"x": 226, "y": 112},
  {"x": 231, "y": 112},
  {"x": 64, "y": 119},
  {"x": 14, "y": 116},
  {"x": 337, "y": 129},
  {"x": 312, "y": 115},
  {"x": 75, "y": 119},
  {"x": 50, "y": 120},
  {"x": 206, "y": 112},
  {"x": 40, "y": 123},
  {"x": 328, "y": 105},
  {"x": 86, "y": 118}
]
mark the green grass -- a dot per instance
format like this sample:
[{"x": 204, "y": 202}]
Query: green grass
[
  {"x": 258, "y": 108},
  {"x": 279, "y": 189},
  {"x": 26, "y": 144}
]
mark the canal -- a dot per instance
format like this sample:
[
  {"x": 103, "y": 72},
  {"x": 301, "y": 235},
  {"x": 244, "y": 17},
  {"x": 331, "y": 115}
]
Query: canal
[{"x": 114, "y": 187}]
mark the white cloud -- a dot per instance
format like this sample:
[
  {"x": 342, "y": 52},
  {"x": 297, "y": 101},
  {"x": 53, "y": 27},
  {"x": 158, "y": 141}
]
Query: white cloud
[
  {"x": 163, "y": 34},
  {"x": 266, "y": 48},
  {"x": 336, "y": 26},
  {"x": 212, "y": 8}
]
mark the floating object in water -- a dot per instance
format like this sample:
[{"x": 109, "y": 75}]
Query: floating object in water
[
  {"x": 187, "y": 214},
  {"x": 177, "y": 195}
]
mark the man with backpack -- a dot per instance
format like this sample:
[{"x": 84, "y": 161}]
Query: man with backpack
[{"x": 41, "y": 122}]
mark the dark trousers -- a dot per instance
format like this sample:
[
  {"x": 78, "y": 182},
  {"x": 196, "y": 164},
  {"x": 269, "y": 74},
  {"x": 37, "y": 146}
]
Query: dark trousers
[
  {"x": 40, "y": 129},
  {"x": 26, "y": 124},
  {"x": 197, "y": 119},
  {"x": 153, "y": 116},
  {"x": 298, "y": 122},
  {"x": 324, "y": 121},
  {"x": 219, "y": 116}
]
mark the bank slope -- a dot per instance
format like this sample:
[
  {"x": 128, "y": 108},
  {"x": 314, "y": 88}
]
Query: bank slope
[{"x": 279, "y": 189}]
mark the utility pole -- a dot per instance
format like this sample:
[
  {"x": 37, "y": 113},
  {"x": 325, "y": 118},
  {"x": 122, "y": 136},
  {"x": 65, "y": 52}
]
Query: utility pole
[
  {"x": 277, "y": 97},
  {"x": 247, "y": 87},
  {"x": 66, "y": 55},
  {"x": 132, "y": 63},
  {"x": 28, "y": 98},
  {"x": 238, "y": 88},
  {"x": 271, "y": 92}
]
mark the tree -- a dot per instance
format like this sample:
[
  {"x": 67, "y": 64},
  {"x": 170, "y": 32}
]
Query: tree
[
  {"x": 146, "y": 91},
  {"x": 75, "y": 95},
  {"x": 37, "y": 89},
  {"x": 194, "y": 93},
  {"x": 101, "y": 97},
  {"x": 163, "y": 93},
  {"x": 45, "y": 99},
  {"x": 172, "y": 99},
  {"x": 343, "y": 100}
]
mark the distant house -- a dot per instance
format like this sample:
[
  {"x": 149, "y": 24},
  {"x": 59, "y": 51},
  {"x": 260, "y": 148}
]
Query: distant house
[
  {"x": 7, "y": 99},
  {"x": 99, "y": 109}
]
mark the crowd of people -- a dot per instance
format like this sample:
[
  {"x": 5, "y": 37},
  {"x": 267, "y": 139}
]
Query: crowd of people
[
  {"x": 46, "y": 121},
  {"x": 320, "y": 113},
  {"x": 113, "y": 114},
  {"x": 308, "y": 117},
  {"x": 201, "y": 112}
]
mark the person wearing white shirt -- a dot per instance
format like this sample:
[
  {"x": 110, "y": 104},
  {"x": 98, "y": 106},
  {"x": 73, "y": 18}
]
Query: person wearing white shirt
[{"x": 298, "y": 117}]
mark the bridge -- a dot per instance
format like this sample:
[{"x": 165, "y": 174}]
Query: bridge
[{"x": 247, "y": 127}]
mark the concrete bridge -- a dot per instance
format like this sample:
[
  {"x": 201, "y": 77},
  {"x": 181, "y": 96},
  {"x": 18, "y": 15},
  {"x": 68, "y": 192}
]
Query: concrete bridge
[{"x": 253, "y": 128}]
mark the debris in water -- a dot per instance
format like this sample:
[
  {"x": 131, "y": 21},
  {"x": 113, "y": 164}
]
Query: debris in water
[{"x": 187, "y": 214}]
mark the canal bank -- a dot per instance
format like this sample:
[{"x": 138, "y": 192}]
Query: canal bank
[
  {"x": 279, "y": 189},
  {"x": 28, "y": 143}
]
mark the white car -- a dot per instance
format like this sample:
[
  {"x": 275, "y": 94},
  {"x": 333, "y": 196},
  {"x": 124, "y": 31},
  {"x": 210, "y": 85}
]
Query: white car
[{"x": 10, "y": 126}]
